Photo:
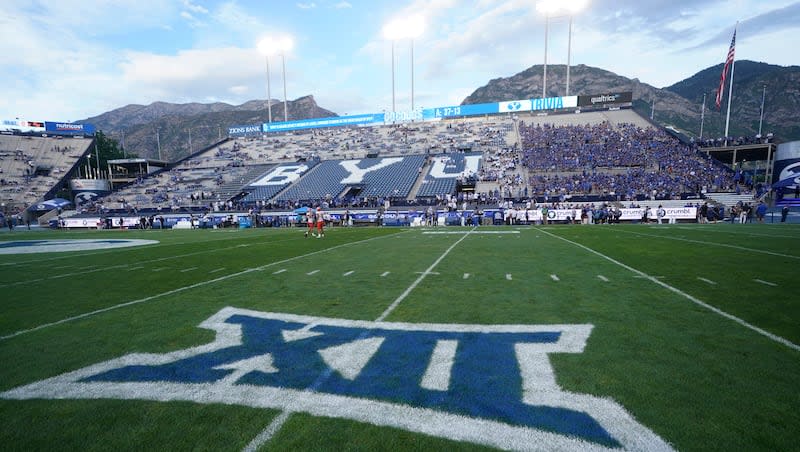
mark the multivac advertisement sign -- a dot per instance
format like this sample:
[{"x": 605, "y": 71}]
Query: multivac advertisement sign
[
  {"x": 239, "y": 131},
  {"x": 68, "y": 128},
  {"x": 316, "y": 123}
]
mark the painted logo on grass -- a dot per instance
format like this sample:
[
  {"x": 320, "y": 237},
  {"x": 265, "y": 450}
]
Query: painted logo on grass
[
  {"x": 60, "y": 246},
  {"x": 488, "y": 384}
]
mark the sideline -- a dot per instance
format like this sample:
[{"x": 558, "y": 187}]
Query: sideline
[
  {"x": 274, "y": 427},
  {"x": 182, "y": 289},
  {"x": 694, "y": 300}
]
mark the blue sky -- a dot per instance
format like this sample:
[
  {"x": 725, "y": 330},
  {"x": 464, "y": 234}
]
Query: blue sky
[{"x": 69, "y": 60}]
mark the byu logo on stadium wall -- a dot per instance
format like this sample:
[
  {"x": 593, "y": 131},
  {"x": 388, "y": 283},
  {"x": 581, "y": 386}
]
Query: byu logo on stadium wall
[{"x": 488, "y": 384}]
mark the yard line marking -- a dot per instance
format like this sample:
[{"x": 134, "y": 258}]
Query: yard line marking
[
  {"x": 602, "y": 278},
  {"x": 726, "y": 245},
  {"x": 276, "y": 424},
  {"x": 508, "y": 276},
  {"x": 427, "y": 273},
  {"x": 554, "y": 277},
  {"x": 384, "y": 274},
  {"x": 266, "y": 434},
  {"x": 648, "y": 276},
  {"x": 217, "y": 270},
  {"x": 466, "y": 275},
  {"x": 136, "y": 268},
  {"x": 707, "y": 281},
  {"x": 279, "y": 271},
  {"x": 188, "y": 269},
  {"x": 62, "y": 267},
  {"x": 348, "y": 273},
  {"x": 761, "y": 281},
  {"x": 689, "y": 297},
  {"x": 159, "y": 269},
  {"x": 312, "y": 272},
  {"x": 189, "y": 287},
  {"x": 421, "y": 277}
]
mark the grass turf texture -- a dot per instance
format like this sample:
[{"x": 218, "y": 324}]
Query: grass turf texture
[{"x": 697, "y": 379}]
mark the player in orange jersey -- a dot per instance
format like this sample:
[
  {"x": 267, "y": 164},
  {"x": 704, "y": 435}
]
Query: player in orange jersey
[
  {"x": 320, "y": 223},
  {"x": 310, "y": 221}
]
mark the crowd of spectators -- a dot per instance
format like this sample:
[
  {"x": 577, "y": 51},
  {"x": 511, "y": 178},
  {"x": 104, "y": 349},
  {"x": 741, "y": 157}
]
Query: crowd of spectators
[{"x": 623, "y": 160}]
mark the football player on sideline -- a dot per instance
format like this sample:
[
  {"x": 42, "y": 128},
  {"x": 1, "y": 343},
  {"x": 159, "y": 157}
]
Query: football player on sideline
[
  {"x": 310, "y": 221},
  {"x": 320, "y": 223}
]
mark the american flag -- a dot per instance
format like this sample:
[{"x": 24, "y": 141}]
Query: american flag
[{"x": 728, "y": 62}]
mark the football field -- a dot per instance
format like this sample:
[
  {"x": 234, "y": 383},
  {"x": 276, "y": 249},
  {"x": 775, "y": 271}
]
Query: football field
[{"x": 568, "y": 337}]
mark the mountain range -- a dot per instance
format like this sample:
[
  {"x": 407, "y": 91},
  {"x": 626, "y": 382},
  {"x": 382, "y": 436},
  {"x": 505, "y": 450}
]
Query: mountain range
[{"x": 170, "y": 132}]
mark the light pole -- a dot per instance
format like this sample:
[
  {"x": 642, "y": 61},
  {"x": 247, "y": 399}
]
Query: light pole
[
  {"x": 402, "y": 28},
  {"x": 266, "y": 47},
  {"x": 285, "y": 45},
  {"x": 551, "y": 8},
  {"x": 270, "y": 46}
]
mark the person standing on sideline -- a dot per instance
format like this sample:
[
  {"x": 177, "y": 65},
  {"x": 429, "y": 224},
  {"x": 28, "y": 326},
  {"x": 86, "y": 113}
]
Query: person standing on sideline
[
  {"x": 761, "y": 211},
  {"x": 320, "y": 223},
  {"x": 784, "y": 213},
  {"x": 660, "y": 214},
  {"x": 310, "y": 222}
]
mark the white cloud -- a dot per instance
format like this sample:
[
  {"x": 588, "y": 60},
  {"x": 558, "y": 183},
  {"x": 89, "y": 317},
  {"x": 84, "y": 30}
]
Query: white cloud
[
  {"x": 343, "y": 5},
  {"x": 311, "y": 5},
  {"x": 197, "y": 9}
]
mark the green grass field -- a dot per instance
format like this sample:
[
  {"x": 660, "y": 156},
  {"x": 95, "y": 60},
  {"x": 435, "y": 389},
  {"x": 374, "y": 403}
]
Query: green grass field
[{"x": 695, "y": 327}]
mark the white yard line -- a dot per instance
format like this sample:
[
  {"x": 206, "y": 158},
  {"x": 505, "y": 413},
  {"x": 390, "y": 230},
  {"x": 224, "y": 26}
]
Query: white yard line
[
  {"x": 188, "y": 269},
  {"x": 703, "y": 242},
  {"x": 419, "y": 280},
  {"x": 384, "y": 274},
  {"x": 602, "y": 278},
  {"x": 217, "y": 270},
  {"x": 266, "y": 435},
  {"x": 279, "y": 271},
  {"x": 708, "y": 281},
  {"x": 761, "y": 281},
  {"x": 554, "y": 277},
  {"x": 312, "y": 272},
  {"x": 689, "y": 297},
  {"x": 348, "y": 273},
  {"x": 184, "y": 288}
]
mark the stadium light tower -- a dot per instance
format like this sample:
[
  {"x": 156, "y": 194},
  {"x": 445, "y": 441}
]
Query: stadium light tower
[
  {"x": 285, "y": 45},
  {"x": 270, "y": 46},
  {"x": 555, "y": 8},
  {"x": 267, "y": 47},
  {"x": 404, "y": 28}
]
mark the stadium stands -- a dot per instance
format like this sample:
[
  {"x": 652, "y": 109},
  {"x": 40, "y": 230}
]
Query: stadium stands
[
  {"x": 583, "y": 157},
  {"x": 31, "y": 166}
]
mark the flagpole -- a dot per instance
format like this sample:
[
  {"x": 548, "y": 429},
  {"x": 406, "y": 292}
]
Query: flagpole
[
  {"x": 761, "y": 119},
  {"x": 730, "y": 91},
  {"x": 702, "y": 117}
]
